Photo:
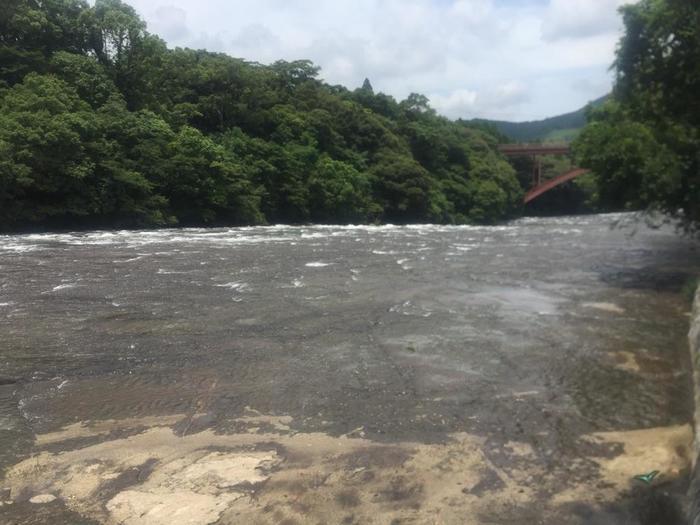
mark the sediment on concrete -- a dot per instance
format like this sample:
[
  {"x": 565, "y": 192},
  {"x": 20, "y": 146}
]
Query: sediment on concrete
[{"x": 694, "y": 340}]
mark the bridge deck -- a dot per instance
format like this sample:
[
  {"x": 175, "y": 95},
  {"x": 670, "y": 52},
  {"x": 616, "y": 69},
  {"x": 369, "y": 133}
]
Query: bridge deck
[{"x": 516, "y": 150}]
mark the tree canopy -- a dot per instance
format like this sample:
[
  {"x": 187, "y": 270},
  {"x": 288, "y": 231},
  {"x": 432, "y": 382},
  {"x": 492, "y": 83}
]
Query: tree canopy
[
  {"x": 644, "y": 144},
  {"x": 102, "y": 125}
]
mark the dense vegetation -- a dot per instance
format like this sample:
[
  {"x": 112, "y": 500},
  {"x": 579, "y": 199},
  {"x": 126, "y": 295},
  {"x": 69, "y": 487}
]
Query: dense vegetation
[
  {"x": 562, "y": 128},
  {"x": 102, "y": 125},
  {"x": 644, "y": 145}
]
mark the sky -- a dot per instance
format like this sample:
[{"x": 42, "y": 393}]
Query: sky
[{"x": 500, "y": 59}]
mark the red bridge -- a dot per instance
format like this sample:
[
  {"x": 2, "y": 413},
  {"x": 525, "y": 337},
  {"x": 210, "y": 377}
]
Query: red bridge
[{"x": 535, "y": 151}]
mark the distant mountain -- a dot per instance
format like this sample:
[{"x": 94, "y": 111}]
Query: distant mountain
[{"x": 562, "y": 128}]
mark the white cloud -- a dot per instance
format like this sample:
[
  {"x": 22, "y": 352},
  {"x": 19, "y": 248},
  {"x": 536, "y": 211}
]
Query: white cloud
[
  {"x": 511, "y": 93},
  {"x": 169, "y": 22},
  {"x": 519, "y": 59},
  {"x": 501, "y": 102},
  {"x": 581, "y": 18},
  {"x": 473, "y": 11},
  {"x": 255, "y": 40},
  {"x": 456, "y": 103}
]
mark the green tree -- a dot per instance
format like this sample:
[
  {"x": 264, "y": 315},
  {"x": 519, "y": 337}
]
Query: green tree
[
  {"x": 101, "y": 124},
  {"x": 43, "y": 128},
  {"x": 636, "y": 169},
  {"x": 62, "y": 164},
  {"x": 85, "y": 74},
  {"x": 405, "y": 190},
  {"x": 645, "y": 146},
  {"x": 339, "y": 193},
  {"x": 205, "y": 184},
  {"x": 31, "y": 30},
  {"x": 119, "y": 40},
  {"x": 291, "y": 75},
  {"x": 489, "y": 202},
  {"x": 134, "y": 145}
]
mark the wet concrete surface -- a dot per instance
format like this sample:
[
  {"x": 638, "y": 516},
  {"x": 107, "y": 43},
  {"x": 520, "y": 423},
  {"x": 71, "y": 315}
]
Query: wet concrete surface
[{"x": 513, "y": 374}]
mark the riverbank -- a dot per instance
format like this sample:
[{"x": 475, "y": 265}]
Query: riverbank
[{"x": 164, "y": 471}]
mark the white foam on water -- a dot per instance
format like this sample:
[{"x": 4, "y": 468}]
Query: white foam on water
[
  {"x": 605, "y": 307},
  {"x": 317, "y": 264},
  {"x": 64, "y": 287},
  {"x": 133, "y": 259},
  {"x": 234, "y": 285},
  {"x": 404, "y": 266},
  {"x": 398, "y": 307},
  {"x": 223, "y": 237},
  {"x": 162, "y": 271},
  {"x": 297, "y": 283},
  {"x": 19, "y": 248},
  {"x": 408, "y": 308},
  {"x": 465, "y": 247},
  {"x": 215, "y": 236},
  {"x": 316, "y": 298}
]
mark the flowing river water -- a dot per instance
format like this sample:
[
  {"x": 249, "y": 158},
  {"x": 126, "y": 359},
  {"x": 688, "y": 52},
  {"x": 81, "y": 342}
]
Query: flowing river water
[{"x": 518, "y": 374}]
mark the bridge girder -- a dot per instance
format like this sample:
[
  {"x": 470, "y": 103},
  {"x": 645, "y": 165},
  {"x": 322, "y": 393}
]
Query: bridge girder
[
  {"x": 535, "y": 150},
  {"x": 524, "y": 150}
]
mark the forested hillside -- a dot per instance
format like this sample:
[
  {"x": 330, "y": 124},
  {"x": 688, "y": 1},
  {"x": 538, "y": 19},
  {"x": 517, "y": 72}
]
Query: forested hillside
[
  {"x": 101, "y": 125},
  {"x": 562, "y": 128}
]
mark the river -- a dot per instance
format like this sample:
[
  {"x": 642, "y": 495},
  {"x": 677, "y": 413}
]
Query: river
[{"x": 522, "y": 373}]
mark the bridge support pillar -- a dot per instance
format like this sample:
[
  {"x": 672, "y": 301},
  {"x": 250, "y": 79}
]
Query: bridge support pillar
[{"x": 536, "y": 171}]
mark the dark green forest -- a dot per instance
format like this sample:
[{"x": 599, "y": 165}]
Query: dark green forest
[
  {"x": 644, "y": 143},
  {"x": 101, "y": 125}
]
